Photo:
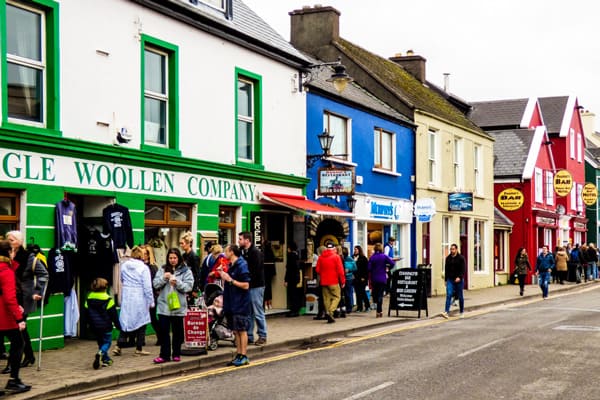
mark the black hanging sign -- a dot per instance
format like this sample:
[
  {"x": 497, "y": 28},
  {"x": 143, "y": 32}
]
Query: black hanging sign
[{"x": 408, "y": 291}]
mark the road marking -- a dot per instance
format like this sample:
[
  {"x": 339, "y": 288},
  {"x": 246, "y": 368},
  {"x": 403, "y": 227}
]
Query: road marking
[
  {"x": 581, "y": 328},
  {"x": 144, "y": 387},
  {"x": 372, "y": 390},
  {"x": 476, "y": 349}
]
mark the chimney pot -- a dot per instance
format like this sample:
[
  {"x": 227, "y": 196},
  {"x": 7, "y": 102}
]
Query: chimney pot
[
  {"x": 413, "y": 64},
  {"x": 410, "y": 52},
  {"x": 398, "y": 55}
]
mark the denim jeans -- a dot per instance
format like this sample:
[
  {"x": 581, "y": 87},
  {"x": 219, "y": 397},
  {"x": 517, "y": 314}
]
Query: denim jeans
[
  {"x": 257, "y": 296},
  {"x": 455, "y": 289},
  {"x": 349, "y": 295},
  {"x": 544, "y": 281},
  {"x": 378, "y": 289},
  {"x": 594, "y": 270},
  {"x": 104, "y": 341}
]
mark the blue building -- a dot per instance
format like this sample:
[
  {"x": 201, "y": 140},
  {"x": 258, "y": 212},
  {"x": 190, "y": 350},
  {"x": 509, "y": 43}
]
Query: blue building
[{"x": 376, "y": 145}]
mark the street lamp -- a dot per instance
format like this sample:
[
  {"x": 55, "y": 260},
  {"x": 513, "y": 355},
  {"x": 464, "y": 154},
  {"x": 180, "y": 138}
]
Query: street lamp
[
  {"x": 351, "y": 202},
  {"x": 339, "y": 78}
]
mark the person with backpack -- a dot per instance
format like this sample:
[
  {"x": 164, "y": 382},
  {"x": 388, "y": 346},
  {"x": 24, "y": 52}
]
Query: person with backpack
[{"x": 350, "y": 269}]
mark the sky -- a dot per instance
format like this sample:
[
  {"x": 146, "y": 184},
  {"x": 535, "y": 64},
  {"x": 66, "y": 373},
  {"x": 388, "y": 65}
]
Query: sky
[{"x": 493, "y": 50}]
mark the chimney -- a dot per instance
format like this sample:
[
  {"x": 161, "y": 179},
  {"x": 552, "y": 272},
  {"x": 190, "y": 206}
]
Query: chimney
[
  {"x": 414, "y": 64},
  {"x": 446, "y": 82},
  {"x": 314, "y": 27}
]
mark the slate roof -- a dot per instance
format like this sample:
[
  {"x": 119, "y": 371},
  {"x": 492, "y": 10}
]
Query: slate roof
[
  {"x": 498, "y": 114},
  {"x": 553, "y": 111},
  {"x": 244, "y": 26},
  {"x": 501, "y": 219},
  {"x": 510, "y": 151},
  {"x": 405, "y": 86}
]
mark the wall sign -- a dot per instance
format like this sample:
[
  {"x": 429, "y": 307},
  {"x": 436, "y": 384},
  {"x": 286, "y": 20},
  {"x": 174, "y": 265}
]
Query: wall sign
[
  {"x": 589, "y": 194},
  {"x": 460, "y": 201},
  {"x": 336, "y": 181},
  {"x": 563, "y": 182},
  {"x": 425, "y": 209},
  {"x": 511, "y": 199}
]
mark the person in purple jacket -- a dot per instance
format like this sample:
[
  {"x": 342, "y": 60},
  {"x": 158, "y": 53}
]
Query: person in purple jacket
[{"x": 379, "y": 264}]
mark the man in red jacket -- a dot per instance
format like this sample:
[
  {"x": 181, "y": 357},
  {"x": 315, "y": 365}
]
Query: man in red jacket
[
  {"x": 11, "y": 318},
  {"x": 330, "y": 270}
]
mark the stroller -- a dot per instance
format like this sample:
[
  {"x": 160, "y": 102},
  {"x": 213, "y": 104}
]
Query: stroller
[{"x": 217, "y": 327}]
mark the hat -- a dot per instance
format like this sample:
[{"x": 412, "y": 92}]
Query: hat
[{"x": 330, "y": 245}]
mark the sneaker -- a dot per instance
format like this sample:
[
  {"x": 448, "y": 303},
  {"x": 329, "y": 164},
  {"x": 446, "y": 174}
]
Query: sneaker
[
  {"x": 107, "y": 363},
  {"x": 176, "y": 358},
  {"x": 461, "y": 315},
  {"x": 445, "y": 315},
  {"x": 116, "y": 351},
  {"x": 159, "y": 360},
  {"x": 96, "y": 363},
  {"x": 141, "y": 353},
  {"x": 231, "y": 363},
  {"x": 17, "y": 386},
  {"x": 243, "y": 360},
  {"x": 261, "y": 341}
]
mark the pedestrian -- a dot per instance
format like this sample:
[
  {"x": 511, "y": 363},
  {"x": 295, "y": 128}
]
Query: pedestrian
[
  {"x": 12, "y": 320},
  {"x": 150, "y": 262},
  {"x": 207, "y": 264},
  {"x": 592, "y": 257},
  {"x": 219, "y": 263},
  {"x": 543, "y": 268},
  {"x": 583, "y": 259},
  {"x": 32, "y": 278},
  {"x": 349, "y": 271},
  {"x": 522, "y": 266},
  {"x": 254, "y": 259},
  {"x": 331, "y": 273},
  {"x": 340, "y": 311},
  {"x": 293, "y": 281},
  {"x": 191, "y": 259},
  {"x": 136, "y": 300},
  {"x": 561, "y": 260},
  {"x": 454, "y": 273},
  {"x": 237, "y": 303},
  {"x": 379, "y": 266},
  {"x": 361, "y": 279},
  {"x": 173, "y": 277},
  {"x": 575, "y": 260},
  {"x": 102, "y": 315}
]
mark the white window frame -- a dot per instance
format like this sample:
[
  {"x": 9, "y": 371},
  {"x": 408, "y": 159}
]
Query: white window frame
[
  {"x": 574, "y": 197},
  {"x": 479, "y": 245},
  {"x": 446, "y": 236},
  {"x": 162, "y": 97},
  {"x": 343, "y": 153},
  {"x": 433, "y": 140},
  {"x": 378, "y": 134},
  {"x": 538, "y": 184},
  {"x": 477, "y": 169},
  {"x": 579, "y": 148},
  {"x": 572, "y": 144},
  {"x": 458, "y": 163},
  {"x": 547, "y": 239},
  {"x": 35, "y": 64},
  {"x": 549, "y": 186},
  {"x": 579, "y": 198},
  {"x": 250, "y": 119}
]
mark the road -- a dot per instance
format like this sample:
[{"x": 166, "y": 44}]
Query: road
[{"x": 537, "y": 350}]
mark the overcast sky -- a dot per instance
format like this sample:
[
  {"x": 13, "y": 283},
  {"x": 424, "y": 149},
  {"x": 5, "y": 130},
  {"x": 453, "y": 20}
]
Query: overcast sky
[{"x": 492, "y": 49}]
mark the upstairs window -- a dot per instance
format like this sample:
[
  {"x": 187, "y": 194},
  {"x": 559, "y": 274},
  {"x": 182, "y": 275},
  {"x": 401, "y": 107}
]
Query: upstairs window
[
  {"x": 579, "y": 148},
  {"x": 538, "y": 186},
  {"x": 338, "y": 127},
  {"x": 384, "y": 150},
  {"x": 549, "y": 188},
  {"x": 572, "y": 143},
  {"x": 458, "y": 164},
  {"x": 248, "y": 111},
  {"x": 160, "y": 97},
  {"x": 478, "y": 169},
  {"x": 30, "y": 95},
  {"x": 433, "y": 154}
]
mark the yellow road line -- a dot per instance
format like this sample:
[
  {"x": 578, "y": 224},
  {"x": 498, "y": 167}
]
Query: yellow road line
[{"x": 419, "y": 324}]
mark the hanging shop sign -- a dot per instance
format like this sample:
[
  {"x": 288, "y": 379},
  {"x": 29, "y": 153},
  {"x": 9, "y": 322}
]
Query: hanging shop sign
[
  {"x": 563, "y": 182},
  {"x": 424, "y": 209},
  {"x": 511, "y": 199},
  {"x": 589, "y": 194},
  {"x": 460, "y": 201},
  {"x": 383, "y": 209},
  {"x": 336, "y": 181}
]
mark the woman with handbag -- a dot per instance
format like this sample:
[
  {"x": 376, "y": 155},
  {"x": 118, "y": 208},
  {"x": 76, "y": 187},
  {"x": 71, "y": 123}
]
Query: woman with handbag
[
  {"x": 521, "y": 267},
  {"x": 174, "y": 280}
]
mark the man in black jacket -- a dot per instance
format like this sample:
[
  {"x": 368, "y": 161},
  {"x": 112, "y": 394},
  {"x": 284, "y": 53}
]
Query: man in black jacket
[
  {"x": 454, "y": 271},
  {"x": 255, "y": 260}
]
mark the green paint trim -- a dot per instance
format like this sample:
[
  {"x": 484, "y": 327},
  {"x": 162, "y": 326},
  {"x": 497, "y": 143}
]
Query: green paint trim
[
  {"x": 52, "y": 92},
  {"x": 172, "y": 52},
  {"x": 257, "y": 97}
]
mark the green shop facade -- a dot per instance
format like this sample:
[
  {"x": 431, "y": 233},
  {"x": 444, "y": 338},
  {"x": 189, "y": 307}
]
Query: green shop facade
[{"x": 165, "y": 195}]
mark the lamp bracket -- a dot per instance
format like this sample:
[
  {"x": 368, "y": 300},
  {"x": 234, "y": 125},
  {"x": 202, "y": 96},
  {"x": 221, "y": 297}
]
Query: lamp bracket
[{"x": 307, "y": 76}]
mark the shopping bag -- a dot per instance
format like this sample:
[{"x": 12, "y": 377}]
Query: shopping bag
[{"x": 173, "y": 299}]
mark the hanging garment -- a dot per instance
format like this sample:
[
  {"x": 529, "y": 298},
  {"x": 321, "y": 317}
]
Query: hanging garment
[
  {"x": 118, "y": 223},
  {"x": 60, "y": 268},
  {"x": 98, "y": 256},
  {"x": 71, "y": 313},
  {"x": 66, "y": 225}
]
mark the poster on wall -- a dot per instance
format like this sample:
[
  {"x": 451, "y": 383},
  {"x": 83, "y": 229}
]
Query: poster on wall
[
  {"x": 336, "y": 181},
  {"x": 460, "y": 201}
]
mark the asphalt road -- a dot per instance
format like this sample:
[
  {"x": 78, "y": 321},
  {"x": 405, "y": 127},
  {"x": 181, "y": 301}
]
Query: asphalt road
[{"x": 541, "y": 350}]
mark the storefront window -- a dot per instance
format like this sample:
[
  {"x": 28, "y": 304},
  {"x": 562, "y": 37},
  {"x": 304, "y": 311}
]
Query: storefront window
[
  {"x": 9, "y": 212},
  {"x": 227, "y": 234},
  {"x": 164, "y": 223}
]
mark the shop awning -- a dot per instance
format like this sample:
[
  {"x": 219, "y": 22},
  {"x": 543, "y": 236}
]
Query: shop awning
[{"x": 301, "y": 203}]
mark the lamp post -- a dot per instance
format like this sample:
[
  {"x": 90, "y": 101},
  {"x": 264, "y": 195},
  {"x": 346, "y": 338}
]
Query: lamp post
[
  {"x": 351, "y": 202},
  {"x": 339, "y": 78}
]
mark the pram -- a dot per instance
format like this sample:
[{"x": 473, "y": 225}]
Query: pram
[{"x": 217, "y": 326}]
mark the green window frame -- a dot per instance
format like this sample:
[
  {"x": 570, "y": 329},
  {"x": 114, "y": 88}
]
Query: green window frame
[
  {"x": 160, "y": 100},
  {"x": 39, "y": 61},
  {"x": 248, "y": 125}
]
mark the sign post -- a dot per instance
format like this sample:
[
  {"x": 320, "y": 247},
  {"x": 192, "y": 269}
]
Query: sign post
[
  {"x": 408, "y": 291},
  {"x": 195, "y": 328}
]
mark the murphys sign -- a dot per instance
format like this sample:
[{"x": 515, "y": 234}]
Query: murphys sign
[
  {"x": 563, "y": 182},
  {"x": 511, "y": 199},
  {"x": 424, "y": 209},
  {"x": 589, "y": 194}
]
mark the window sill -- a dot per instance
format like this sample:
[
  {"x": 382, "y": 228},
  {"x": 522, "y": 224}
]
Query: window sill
[
  {"x": 161, "y": 150},
  {"x": 385, "y": 172},
  {"x": 340, "y": 161},
  {"x": 29, "y": 129},
  {"x": 250, "y": 165}
]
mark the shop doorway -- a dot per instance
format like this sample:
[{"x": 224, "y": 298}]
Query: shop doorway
[{"x": 464, "y": 247}]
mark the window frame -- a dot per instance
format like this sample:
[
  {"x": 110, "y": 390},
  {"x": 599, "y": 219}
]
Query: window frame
[
  {"x": 172, "y": 88},
  {"x": 50, "y": 124},
  {"x": 479, "y": 227},
  {"x": 579, "y": 148},
  {"x": 458, "y": 155},
  {"x": 166, "y": 220},
  {"x": 538, "y": 182},
  {"x": 15, "y": 217},
  {"x": 433, "y": 157},
  {"x": 446, "y": 241},
  {"x": 478, "y": 169},
  {"x": 572, "y": 143},
  {"x": 256, "y": 118},
  {"x": 549, "y": 188},
  {"x": 380, "y": 132},
  {"x": 346, "y": 154}
]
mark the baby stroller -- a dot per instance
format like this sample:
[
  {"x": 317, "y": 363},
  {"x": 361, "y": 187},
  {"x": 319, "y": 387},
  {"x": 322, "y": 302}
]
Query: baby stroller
[{"x": 217, "y": 326}]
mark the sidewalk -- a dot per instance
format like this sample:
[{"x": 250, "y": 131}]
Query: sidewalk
[{"x": 69, "y": 372}]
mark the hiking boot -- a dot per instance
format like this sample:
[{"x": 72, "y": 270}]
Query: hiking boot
[
  {"x": 261, "y": 341},
  {"x": 243, "y": 360},
  {"x": 96, "y": 363}
]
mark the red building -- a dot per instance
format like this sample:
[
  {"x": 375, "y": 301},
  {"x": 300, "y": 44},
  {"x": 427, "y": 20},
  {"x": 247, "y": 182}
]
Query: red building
[{"x": 537, "y": 141}]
